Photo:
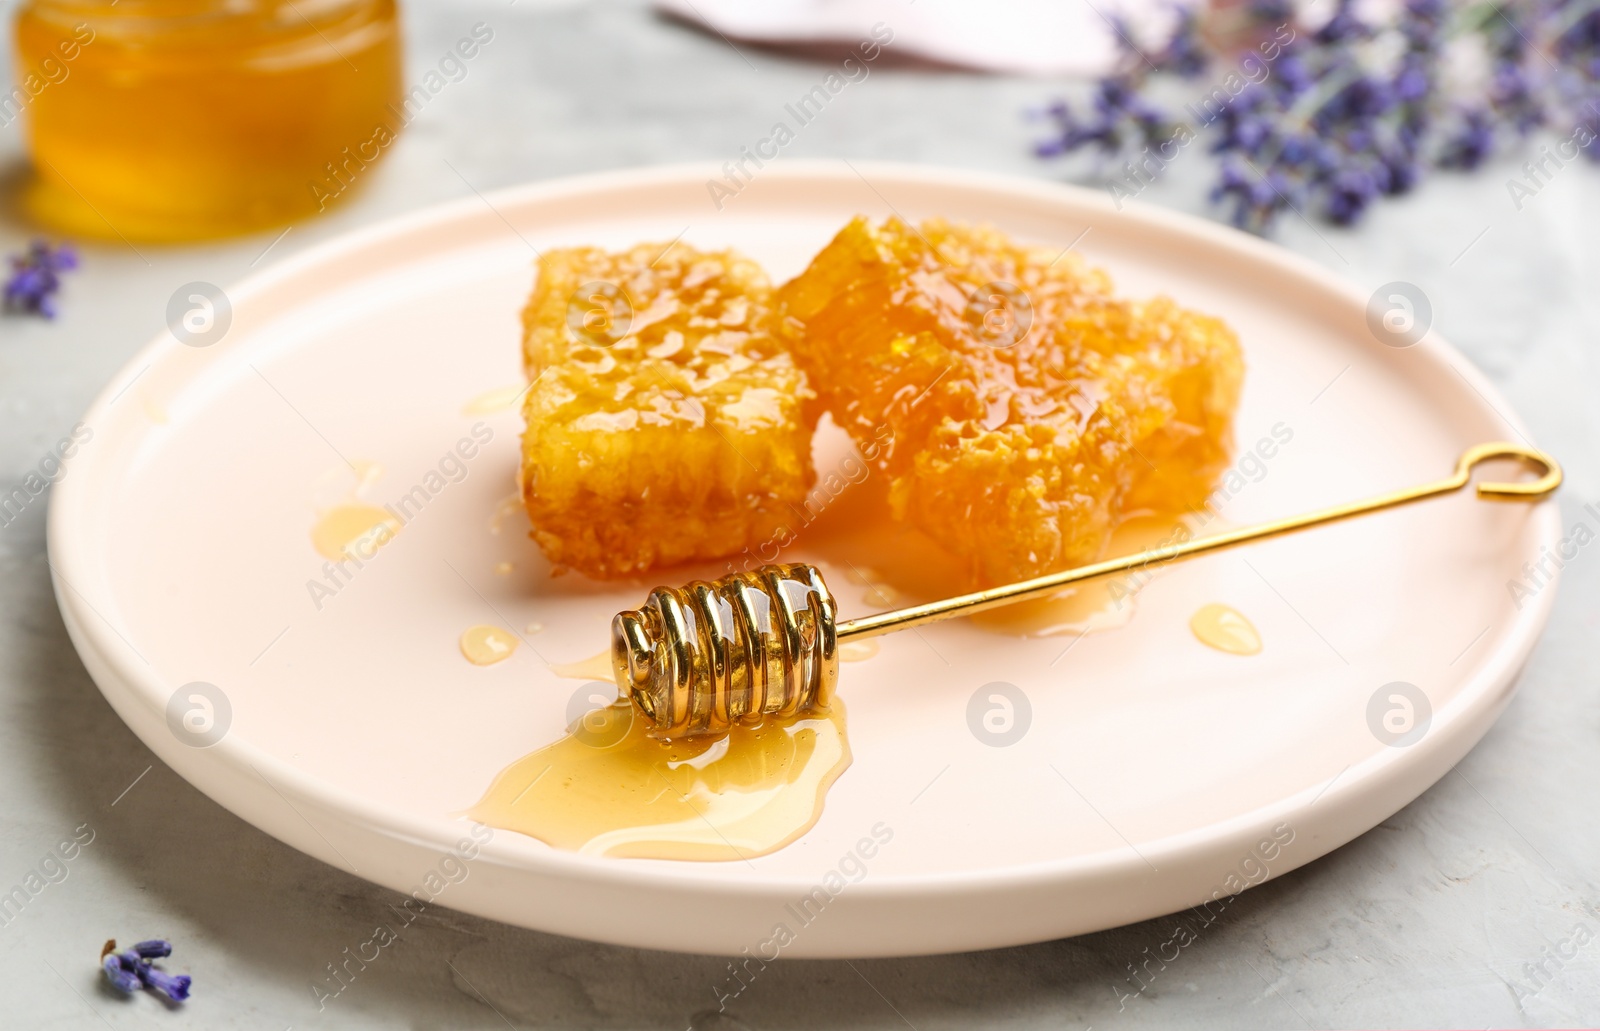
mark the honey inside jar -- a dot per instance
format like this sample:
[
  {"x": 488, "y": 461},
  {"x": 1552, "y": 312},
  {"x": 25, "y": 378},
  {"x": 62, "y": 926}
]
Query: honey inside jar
[{"x": 170, "y": 120}]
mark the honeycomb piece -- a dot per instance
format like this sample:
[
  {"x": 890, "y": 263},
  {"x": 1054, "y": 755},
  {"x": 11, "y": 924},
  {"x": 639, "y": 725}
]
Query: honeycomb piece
[
  {"x": 1029, "y": 411},
  {"x": 665, "y": 423}
]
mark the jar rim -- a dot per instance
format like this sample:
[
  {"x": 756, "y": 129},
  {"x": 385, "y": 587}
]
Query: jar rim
[{"x": 137, "y": 17}]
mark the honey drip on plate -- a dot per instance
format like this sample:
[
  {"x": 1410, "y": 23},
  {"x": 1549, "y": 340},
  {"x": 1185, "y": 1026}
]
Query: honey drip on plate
[
  {"x": 487, "y": 645},
  {"x": 1101, "y": 604},
  {"x": 858, "y": 651},
  {"x": 878, "y": 592},
  {"x": 610, "y": 788},
  {"x": 353, "y": 529},
  {"x": 504, "y": 509},
  {"x": 154, "y": 410},
  {"x": 595, "y": 667},
  {"x": 1225, "y": 629},
  {"x": 493, "y": 401}
]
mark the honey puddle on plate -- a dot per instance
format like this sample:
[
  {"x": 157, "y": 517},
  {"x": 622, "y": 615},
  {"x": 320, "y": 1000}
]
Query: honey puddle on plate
[
  {"x": 354, "y": 529},
  {"x": 1225, "y": 629},
  {"x": 610, "y": 788},
  {"x": 486, "y": 645}
]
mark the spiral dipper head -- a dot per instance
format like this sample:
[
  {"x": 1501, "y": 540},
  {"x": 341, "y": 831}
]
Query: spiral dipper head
[{"x": 698, "y": 658}]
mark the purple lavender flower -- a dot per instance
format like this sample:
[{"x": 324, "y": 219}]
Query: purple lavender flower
[
  {"x": 173, "y": 986},
  {"x": 1344, "y": 26},
  {"x": 1122, "y": 122},
  {"x": 1471, "y": 144},
  {"x": 1413, "y": 83},
  {"x": 1271, "y": 12},
  {"x": 1329, "y": 127},
  {"x": 121, "y": 978},
  {"x": 1185, "y": 54},
  {"x": 131, "y": 969},
  {"x": 1349, "y": 194},
  {"x": 1255, "y": 199},
  {"x": 35, "y": 278}
]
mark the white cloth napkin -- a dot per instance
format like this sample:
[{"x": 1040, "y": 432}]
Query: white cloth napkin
[{"x": 1027, "y": 37}]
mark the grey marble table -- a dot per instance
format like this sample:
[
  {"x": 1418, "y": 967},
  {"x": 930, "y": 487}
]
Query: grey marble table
[{"x": 1464, "y": 909}]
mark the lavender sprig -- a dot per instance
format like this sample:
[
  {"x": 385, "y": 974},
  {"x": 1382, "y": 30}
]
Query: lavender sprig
[
  {"x": 132, "y": 969},
  {"x": 153, "y": 949},
  {"x": 36, "y": 277},
  {"x": 173, "y": 986},
  {"x": 121, "y": 978},
  {"x": 1328, "y": 122}
]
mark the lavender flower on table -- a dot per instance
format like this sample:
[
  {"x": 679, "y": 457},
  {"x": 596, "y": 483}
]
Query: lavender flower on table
[
  {"x": 35, "y": 278},
  {"x": 173, "y": 986},
  {"x": 1122, "y": 121},
  {"x": 132, "y": 969},
  {"x": 1326, "y": 122},
  {"x": 121, "y": 978},
  {"x": 153, "y": 949}
]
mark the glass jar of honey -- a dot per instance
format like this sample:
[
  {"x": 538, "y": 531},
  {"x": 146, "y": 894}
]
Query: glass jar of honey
[{"x": 172, "y": 120}]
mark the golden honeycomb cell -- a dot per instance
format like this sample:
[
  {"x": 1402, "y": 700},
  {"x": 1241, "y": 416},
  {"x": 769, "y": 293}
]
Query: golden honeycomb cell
[
  {"x": 1030, "y": 411},
  {"x": 665, "y": 423}
]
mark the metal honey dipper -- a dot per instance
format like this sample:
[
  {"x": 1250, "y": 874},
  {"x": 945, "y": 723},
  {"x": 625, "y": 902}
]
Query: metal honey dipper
[{"x": 698, "y": 658}]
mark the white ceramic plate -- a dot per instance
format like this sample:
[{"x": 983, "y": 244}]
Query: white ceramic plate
[{"x": 1153, "y": 768}]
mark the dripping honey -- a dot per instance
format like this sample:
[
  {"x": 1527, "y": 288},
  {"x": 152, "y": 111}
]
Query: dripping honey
[
  {"x": 1226, "y": 629},
  {"x": 486, "y": 645}
]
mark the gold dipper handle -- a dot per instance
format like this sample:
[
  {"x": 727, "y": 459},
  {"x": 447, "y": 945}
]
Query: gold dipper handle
[
  {"x": 700, "y": 658},
  {"x": 997, "y": 597}
]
